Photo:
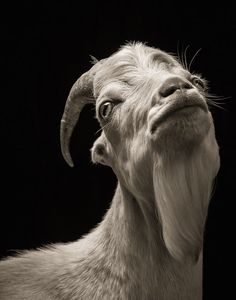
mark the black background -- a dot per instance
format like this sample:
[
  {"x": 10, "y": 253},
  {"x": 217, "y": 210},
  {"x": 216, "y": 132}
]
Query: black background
[{"x": 45, "y": 48}]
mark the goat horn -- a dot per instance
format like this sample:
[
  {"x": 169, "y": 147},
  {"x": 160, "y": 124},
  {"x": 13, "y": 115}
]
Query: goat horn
[{"x": 80, "y": 94}]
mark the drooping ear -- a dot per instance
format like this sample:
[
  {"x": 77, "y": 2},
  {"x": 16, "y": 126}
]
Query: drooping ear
[
  {"x": 100, "y": 151},
  {"x": 182, "y": 195}
]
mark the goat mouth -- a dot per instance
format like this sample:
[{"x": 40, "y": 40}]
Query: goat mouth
[{"x": 183, "y": 110}]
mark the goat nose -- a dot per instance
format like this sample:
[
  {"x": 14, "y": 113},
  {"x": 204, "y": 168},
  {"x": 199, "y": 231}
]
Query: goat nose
[{"x": 172, "y": 84}]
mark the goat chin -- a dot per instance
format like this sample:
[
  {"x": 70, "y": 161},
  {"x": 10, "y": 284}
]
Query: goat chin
[
  {"x": 181, "y": 132},
  {"x": 182, "y": 187}
]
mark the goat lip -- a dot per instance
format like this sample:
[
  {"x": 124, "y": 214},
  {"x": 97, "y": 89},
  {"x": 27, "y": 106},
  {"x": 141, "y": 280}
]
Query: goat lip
[{"x": 172, "y": 109}]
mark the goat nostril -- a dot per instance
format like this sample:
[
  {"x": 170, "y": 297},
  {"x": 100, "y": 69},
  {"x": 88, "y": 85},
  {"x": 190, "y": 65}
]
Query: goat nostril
[
  {"x": 173, "y": 84},
  {"x": 168, "y": 90}
]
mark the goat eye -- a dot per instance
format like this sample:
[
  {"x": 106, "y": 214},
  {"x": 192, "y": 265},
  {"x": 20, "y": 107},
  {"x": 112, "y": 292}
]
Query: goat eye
[
  {"x": 198, "y": 83},
  {"x": 105, "y": 110}
]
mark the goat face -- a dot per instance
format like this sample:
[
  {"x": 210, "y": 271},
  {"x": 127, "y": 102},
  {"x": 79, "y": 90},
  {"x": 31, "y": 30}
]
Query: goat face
[{"x": 158, "y": 137}]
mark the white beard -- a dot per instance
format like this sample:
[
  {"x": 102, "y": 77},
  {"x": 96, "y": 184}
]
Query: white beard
[{"x": 182, "y": 187}]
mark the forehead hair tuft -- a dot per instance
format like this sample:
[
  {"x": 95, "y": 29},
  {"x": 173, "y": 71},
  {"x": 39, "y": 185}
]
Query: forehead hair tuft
[{"x": 129, "y": 63}]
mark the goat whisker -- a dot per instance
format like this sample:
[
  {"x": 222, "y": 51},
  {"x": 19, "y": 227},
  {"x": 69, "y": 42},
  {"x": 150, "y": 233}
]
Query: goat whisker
[
  {"x": 185, "y": 58},
  {"x": 189, "y": 67},
  {"x": 215, "y": 103}
]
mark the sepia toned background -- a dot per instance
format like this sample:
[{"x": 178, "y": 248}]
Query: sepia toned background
[{"x": 44, "y": 49}]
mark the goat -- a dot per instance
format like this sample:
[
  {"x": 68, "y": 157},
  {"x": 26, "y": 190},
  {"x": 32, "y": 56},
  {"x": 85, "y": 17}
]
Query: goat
[{"x": 158, "y": 137}]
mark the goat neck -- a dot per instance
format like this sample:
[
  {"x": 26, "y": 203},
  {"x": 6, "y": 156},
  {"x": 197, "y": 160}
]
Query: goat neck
[{"x": 134, "y": 242}]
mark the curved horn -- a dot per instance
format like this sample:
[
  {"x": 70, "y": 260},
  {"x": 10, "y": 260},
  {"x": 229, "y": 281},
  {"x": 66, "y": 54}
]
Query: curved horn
[{"x": 80, "y": 94}]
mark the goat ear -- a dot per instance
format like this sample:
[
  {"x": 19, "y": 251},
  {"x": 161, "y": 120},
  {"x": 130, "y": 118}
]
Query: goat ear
[
  {"x": 182, "y": 196},
  {"x": 99, "y": 151}
]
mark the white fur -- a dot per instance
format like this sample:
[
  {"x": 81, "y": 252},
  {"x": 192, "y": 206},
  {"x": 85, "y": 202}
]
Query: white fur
[{"x": 149, "y": 244}]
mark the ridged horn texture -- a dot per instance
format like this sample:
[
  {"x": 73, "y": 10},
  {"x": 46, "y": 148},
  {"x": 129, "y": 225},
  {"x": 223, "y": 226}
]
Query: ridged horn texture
[{"x": 80, "y": 94}]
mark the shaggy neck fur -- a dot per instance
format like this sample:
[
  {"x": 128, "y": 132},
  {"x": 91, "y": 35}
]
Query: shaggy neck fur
[
  {"x": 142, "y": 260},
  {"x": 158, "y": 239}
]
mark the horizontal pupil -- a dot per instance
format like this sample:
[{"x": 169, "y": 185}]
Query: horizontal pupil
[
  {"x": 106, "y": 109},
  {"x": 199, "y": 82}
]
